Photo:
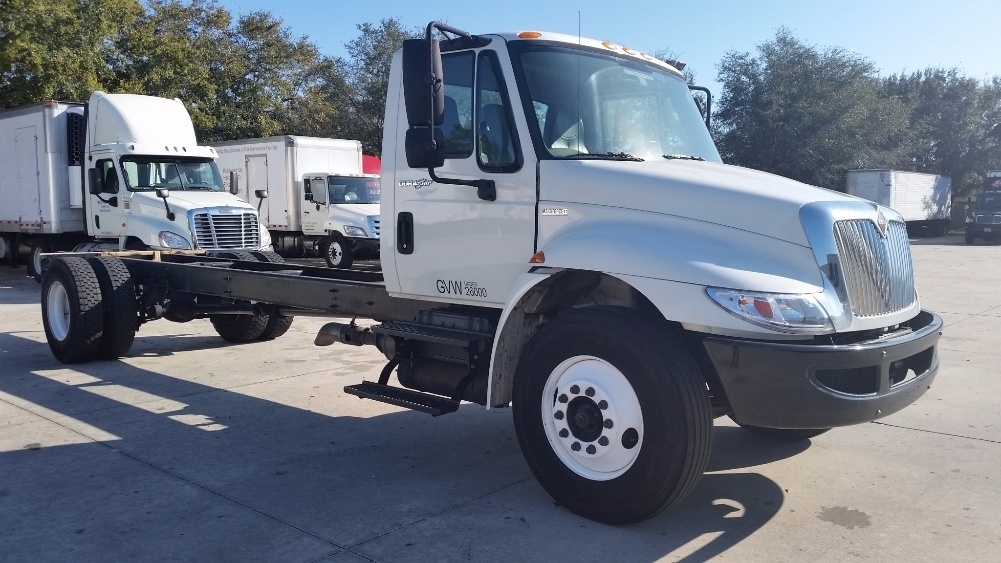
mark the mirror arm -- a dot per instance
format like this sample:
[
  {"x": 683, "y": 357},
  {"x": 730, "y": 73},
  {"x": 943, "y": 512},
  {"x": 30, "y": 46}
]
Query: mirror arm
[{"x": 709, "y": 101}]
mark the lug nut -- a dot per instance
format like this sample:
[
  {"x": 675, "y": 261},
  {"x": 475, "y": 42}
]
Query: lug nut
[
  {"x": 589, "y": 391},
  {"x": 608, "y": 423},
  {"x": 603, "y": 441},
  {"x": 575, "y": 446},
  {"x": 602, "y": 404},
  {"x": 591, "y": 449},
  {"x": 574, "y": 389},
  {"x": 558, "y": 415},
  {"x": 564, "y": 433},
  {"x": 563, "y": 398}
]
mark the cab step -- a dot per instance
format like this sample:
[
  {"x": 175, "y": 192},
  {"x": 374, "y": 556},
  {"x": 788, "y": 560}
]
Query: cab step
[
  {"x": 427, "y": 333},
  {"x": 435, "y": 405}
]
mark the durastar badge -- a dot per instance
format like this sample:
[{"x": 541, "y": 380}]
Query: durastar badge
[{"x": 416, "y": 184}]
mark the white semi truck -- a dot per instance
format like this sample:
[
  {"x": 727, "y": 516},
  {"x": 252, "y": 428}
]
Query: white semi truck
[
  {"x": 319, "y": 201},
  {"x": 923, "y": 200},
  {"x": 560, "y": 236},
  {"x": 122, "y": 171}
]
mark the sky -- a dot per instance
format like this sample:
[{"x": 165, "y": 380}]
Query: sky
[{"x": 895, "y": 35}]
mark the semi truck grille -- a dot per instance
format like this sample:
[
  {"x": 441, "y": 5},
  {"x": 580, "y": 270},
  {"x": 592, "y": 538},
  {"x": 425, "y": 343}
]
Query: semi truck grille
[
  {"x": 877, "y": 269},
  {"x": 216, "y": 230}
]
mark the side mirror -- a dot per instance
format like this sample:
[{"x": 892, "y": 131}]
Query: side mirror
[
  {"x": 234, "y": 182},
  {"x": 96, "y": 181},
  {"x": 422, "y": 82},
  {"x": 708, "y": 109},
  {"x": 162, "y": 193},
  {"x": 416, "y": 147},
  {"x": 261, "y": 194}
]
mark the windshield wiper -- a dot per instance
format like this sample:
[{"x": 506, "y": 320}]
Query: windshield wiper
[
  {"x": 682, "y": 157},
  {"x": 604, "y": 156},
  {"x": 198, "y": 187}
]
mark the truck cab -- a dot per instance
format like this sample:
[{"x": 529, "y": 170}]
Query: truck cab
[
  {"x": 150, "y": 185},
  {"x": 346, "y": 210},
  {"x": 984, "y": 220}
]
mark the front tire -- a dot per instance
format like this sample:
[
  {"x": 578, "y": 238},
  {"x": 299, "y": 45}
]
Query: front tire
[
  {"x": 612, "y": 414},
  {"x": 72, "y": 312},
  {"x": 337, "y": 251}
]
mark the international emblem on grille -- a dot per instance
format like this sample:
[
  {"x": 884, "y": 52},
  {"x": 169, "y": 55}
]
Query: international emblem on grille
[{"x": 881, "y": 223}]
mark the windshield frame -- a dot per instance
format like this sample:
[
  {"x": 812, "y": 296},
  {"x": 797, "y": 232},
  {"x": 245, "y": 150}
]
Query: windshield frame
[
  {"x": 518, "y": 48},
  {"x": 182, "y": 184}
]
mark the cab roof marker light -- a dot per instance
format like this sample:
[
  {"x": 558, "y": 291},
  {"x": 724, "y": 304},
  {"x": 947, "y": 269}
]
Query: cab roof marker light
[
  {"x": 629, "y": 51},
  {"x": 529, "y": 35},
  {"x": 609, "y": 45}
]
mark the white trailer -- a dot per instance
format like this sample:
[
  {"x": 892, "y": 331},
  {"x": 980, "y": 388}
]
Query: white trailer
[
  {"x": 339, "y": 220},
  {"x": 923, "y": 200},
  {"x": 137, "y": 151}
]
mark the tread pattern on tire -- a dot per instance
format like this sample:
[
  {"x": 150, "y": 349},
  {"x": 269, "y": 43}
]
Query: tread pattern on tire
[
  {"x": 86, "y": 323},
  {"x": 277, "y": 324},
  {"x": 121, "y": 310},
  {"x": 239, "y": 329}
]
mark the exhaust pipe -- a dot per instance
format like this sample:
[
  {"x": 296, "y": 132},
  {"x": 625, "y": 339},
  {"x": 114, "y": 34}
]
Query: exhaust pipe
[{"x": 352, "y": 334}]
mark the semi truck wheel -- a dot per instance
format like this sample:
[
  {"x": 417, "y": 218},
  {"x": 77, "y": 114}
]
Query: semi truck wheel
[
  {"x": 277, "y": 324},
  {"x": 121, "y": 309},
  {"x": 612, "y": 414},
  {"x": 36, "y": 264},
  {"x": 72, "y": 312},
  {"x": 239, "y": 329},
  {"x": 337, "y": 251},
  {"x": 783, "y": 434}
]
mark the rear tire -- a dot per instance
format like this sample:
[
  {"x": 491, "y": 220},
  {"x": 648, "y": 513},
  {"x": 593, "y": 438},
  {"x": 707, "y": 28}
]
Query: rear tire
[
  {"x": 37, "y": 264},
  {"x": 121, "y": 308},
  {"x": 72, "y": 311},
  {"x": 239, "y": 329},
  {"x": 337, "y": 251},
  {"x": 612, "y": 414},
  {"x": 277, "y": 324}
]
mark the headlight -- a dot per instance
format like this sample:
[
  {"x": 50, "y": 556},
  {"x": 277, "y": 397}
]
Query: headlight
[
  {"x": 265, "y": 237},
  {"x": 353, "y": 231},
  {"x": 174, "y": 240},
  {"x": 785, "y": 313}
]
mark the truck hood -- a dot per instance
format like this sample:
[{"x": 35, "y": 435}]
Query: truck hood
[
  {"x": 183, "y": 201},
  {"x": 740, "y": 198},
  {"x": 356, "y": 211}
]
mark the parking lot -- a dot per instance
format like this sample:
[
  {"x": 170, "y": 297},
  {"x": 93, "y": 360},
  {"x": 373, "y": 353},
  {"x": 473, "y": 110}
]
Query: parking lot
[{"x": 192, "y": 449}]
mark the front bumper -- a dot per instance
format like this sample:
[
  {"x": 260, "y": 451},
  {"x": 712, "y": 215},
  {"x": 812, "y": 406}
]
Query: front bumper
[
  {"x": 364, "y": 245},
  {"x": 786, "y": 385}
]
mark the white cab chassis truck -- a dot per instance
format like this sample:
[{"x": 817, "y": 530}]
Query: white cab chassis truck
[
  {"x": 923, "y": 200},
  {"x": 148, "y": 183},
  {"x": 560, "y": 236},
  {"x": 319, "y": 201}
]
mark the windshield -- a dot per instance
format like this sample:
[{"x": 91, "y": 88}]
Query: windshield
[
  {"x": 353, "y": 189},
  {"x": 151, "y": 172},
  {"x": 592, "y": 105},
  {"x": 988, "y": 201}
]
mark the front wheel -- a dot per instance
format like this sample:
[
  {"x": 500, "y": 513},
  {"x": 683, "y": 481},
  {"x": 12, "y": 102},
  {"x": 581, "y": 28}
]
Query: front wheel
[
  {"x": 337, "y": 251},
  {"x": 612, "y": 414}
]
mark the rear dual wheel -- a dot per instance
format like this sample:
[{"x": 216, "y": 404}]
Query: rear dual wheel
[{"x": 612, "y": 414}]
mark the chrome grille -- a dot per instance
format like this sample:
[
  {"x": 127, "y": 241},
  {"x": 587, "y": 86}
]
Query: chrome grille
[
  {"x": 877, "y": 270},
  {"x": 217, "y": 230},
  {"x": 988, "y": 219},
  {"x": 373, "y": 224}
]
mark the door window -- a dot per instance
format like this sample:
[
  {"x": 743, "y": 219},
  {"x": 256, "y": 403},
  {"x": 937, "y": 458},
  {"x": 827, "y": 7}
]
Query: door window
[{"x": 496, "y": 150}]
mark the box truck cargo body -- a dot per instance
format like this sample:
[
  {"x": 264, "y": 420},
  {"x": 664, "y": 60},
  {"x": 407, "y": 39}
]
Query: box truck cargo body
[
  {"x": 122, "y": 171},
  {"x": 319, "y": 200},
  {"x": 924, "y": 200}
]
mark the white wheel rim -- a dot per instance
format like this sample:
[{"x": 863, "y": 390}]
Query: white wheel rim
[
  {"x": 335, "y": 253},
  {"x": 36, "y": 260},
  {"x": 58, "y": 311},
  {"x": 590, "y": 440}
]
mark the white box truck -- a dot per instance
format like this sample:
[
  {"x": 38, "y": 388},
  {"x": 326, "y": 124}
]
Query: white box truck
[
  {"x": 923, "y": 200},
  {"x": 575, "y": 248},
  {"x": 148, "y": 183},
  {"x": 319, "y": 200}
]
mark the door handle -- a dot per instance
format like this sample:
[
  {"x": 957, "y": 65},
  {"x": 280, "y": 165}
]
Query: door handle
[{"x": 405, "y": 233}]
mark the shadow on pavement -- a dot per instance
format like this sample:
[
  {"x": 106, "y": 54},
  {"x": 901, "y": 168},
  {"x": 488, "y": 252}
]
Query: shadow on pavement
[{"x": 153, "y": 466}]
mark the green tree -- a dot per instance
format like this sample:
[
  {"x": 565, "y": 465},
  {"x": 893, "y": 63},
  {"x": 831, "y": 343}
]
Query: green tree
[
  {"x": 955, "y": 122},
  {"x": 807, "y": 114},
  {"x": 58, "y": 49},
  {"x": 363, "y": 93}
]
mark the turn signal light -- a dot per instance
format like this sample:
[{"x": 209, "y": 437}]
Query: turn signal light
[{"x": 538, "y": 258}]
